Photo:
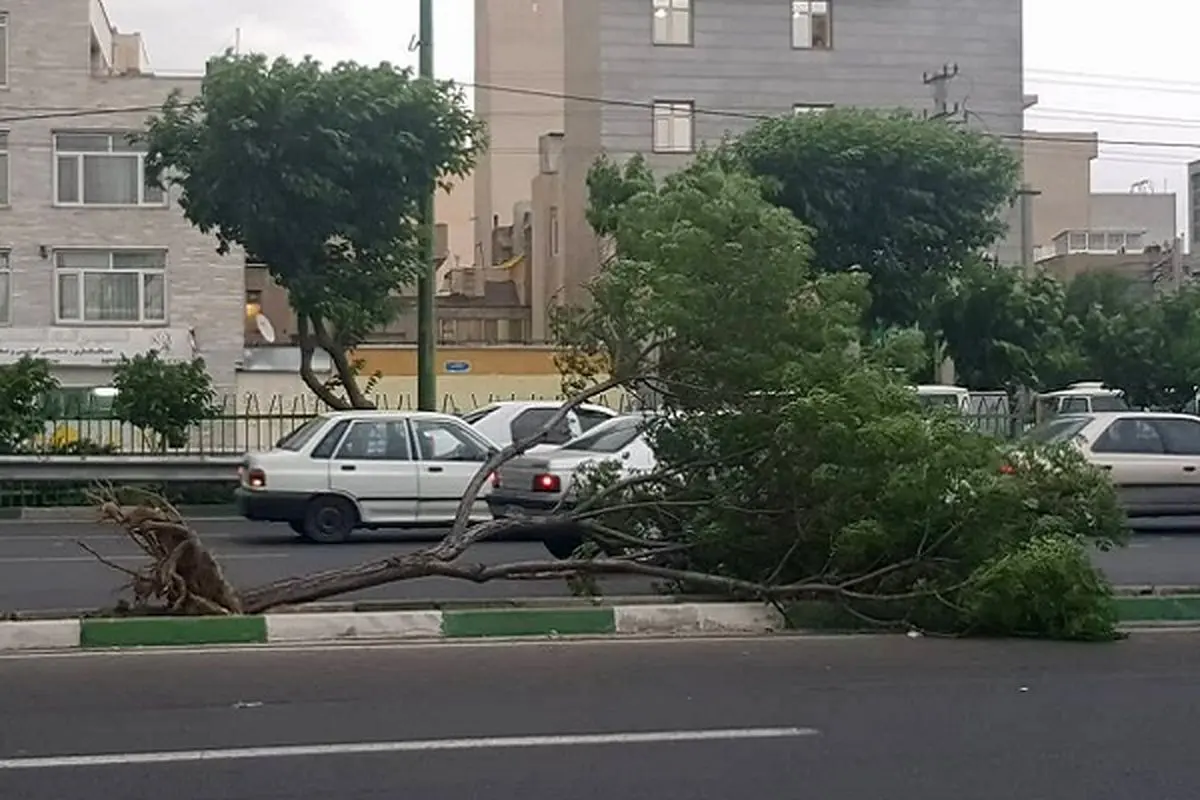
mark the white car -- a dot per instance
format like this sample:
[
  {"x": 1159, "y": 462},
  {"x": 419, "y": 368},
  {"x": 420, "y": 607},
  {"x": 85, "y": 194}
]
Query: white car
[
  {"x": 365, "y": 469},
  {"x": 1153, "y": 458},
  {"x": 508, "y": 421},
  {"x": 535, "y": 484}
]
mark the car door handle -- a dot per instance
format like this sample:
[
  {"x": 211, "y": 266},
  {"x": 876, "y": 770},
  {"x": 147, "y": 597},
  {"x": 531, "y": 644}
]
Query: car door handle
[
  {"x": 1189, "y": 468},
  {"x": 435, "y": 469},
  {"x": 348, "y": 468}
]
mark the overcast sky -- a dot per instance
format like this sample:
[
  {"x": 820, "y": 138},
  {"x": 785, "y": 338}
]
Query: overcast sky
[{"x": 1096, "y": 64}]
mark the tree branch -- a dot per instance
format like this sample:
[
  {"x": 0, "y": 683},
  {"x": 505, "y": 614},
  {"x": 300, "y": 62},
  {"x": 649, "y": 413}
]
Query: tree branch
[{"x": 308, "y": 345}]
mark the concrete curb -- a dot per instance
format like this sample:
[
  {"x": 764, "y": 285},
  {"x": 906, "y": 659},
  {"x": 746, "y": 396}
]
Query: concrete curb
[
  {"x": 305, "y": 626},
  {"x": 311, "y": 628}
]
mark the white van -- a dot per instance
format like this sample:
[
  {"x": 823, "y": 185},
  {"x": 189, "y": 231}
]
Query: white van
[
  {"x": 932, "y": 395},
  {"x": 1084, "y": 397}
]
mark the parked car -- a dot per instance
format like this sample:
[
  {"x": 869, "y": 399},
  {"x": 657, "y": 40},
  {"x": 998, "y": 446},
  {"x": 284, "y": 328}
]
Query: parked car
[
  {"x": 536, "y": 484},
  {"x": 365, "y": 469},
  {"x": 509, "y": 421},
  {"x": 1153, "y": 458}
]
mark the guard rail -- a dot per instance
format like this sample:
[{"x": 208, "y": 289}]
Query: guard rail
[{"x": 118, "y": 469}]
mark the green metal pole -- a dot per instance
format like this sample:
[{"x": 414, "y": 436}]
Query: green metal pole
[{"x": 426, "y": 311}]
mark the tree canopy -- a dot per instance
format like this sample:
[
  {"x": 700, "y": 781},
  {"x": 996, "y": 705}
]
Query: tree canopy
[
  {"x": 905, "y": 199},
  {"x": 321, "y": 175}
]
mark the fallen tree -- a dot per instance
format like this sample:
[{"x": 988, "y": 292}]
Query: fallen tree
[{"x": 792, "y": 463}]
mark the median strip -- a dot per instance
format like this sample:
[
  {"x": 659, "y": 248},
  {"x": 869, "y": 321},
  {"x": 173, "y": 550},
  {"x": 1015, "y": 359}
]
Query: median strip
[{"x": 305, "y": 627}]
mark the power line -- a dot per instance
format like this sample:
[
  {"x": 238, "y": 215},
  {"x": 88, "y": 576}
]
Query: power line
[{"x": 752, "y": 116}]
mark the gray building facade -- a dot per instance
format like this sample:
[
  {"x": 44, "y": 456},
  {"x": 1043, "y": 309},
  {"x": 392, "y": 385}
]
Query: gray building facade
[
  {"x": 662, "y": 77},
  {"x": 95, "y": 263}
]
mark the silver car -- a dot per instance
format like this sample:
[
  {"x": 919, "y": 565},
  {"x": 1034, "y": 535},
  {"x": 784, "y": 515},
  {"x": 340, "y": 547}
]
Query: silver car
[{"x": 1153, "y": 458}]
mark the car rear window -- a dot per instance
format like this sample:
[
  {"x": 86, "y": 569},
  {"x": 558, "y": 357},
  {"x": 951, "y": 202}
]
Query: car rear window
[
  {"x": 471, "y": 417},
  {"x": 298, "y": 438},
  {"x": 610, "y": 437}
]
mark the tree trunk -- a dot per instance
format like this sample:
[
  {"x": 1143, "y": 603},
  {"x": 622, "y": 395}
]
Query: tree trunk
[{"x": 308, "y": 345}]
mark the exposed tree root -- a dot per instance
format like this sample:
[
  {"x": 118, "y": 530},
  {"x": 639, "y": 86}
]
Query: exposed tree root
[{"x": 182, "y": 576}]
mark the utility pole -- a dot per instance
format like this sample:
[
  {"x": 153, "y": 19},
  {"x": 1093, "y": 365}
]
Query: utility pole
[
  {"x": 940, "y": 82},
  {"x": 943, "y": 365},
  {"x": 426, "y": 310}
]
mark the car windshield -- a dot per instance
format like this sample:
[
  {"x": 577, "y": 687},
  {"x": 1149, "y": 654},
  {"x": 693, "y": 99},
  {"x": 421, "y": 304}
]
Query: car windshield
[
  {"x": 298, "y": 438},
  {"x": 609, "y": 437},
  {"x": 1060, "y": 429},
  {"x": 1109, "y": 402},
  {"x": 939, "y": 400}
]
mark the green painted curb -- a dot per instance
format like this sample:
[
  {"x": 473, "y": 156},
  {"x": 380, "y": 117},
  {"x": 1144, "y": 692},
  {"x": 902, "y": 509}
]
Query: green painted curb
[
  {"x": 528, "y": 622},
  {"x": 1179, "y": 608},
  {"x": 168, "y": 632}
]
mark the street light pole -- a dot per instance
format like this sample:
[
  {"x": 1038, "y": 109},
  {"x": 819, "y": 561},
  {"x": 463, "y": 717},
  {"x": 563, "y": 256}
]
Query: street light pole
[{"x": 426, "y": 326}]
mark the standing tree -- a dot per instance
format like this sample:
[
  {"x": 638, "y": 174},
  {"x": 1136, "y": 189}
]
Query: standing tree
[
  {"x": 165, "y": 398},
  {"x": 906, "y": 200},
  {"x": 1004, "y": 330},
  {"x": 321, "y": 175},
  {"x": 24, "y": 386}
]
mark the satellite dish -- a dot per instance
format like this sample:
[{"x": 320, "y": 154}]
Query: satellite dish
[{"x": 265, "y": 328}]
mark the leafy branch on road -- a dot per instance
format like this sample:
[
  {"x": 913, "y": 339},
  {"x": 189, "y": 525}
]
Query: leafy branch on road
[{"x": 792, "y": 460}]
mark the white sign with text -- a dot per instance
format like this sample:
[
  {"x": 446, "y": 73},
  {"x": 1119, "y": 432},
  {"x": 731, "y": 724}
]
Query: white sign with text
[{"x": 93, "y": 347}]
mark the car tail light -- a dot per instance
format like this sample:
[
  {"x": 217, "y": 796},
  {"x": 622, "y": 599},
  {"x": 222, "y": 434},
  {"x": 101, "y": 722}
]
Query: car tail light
[
  {"x": 547, "y": 483},
  {"x": 495, "y": 480},
  {"x": 1008, "y": 469},
  {"x": 256, "y": 479}
]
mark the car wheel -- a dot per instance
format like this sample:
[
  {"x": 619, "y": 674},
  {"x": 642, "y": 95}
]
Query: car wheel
[
  {"x": 562, "y": 547},
  {"x": 329, "y": 520}
]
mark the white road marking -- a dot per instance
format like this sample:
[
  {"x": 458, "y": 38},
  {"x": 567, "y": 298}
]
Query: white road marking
[
  {"x": 411, "y": 746},
  {"x": 127, "y": 558}
]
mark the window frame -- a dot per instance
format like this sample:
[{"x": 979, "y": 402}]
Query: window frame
[
  {"x": 80, "y": 156},
  {"x": 80, "y": 286},
  {"x": 466, "y": 431},
  {"x": 6, "y": 273},
  {"x": 812, "y": 10},
  {"x": 6, "y": 168},
  {"x": 672, "y": 11},
  {"x": 6, "y": 43},
  {"x": 670, "y": 108}
]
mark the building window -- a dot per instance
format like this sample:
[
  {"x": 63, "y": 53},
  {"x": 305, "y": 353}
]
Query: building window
[
  {"x": 102, "y": 169},
  {"x": 554, "y": 244},
  {"x": 811, "y": 28},
  {"x": 111, "y": 286},
  {"x": 673, "y": 22},
  {"x": 5, "y": 288},
  {"x": 810, "y": 108},
  {"x": 3, "y": 48},
  {"x": 673, "y": 127},
  {"x": 4, "y": 169}
]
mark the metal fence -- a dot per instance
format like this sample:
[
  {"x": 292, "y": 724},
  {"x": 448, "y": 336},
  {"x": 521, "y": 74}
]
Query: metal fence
[
  {"x": 243, "y": 423},
  {"x": 249, "y": 423}
]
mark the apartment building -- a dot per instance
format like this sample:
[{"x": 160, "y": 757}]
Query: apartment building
[
  {"x": 95, "y": 262},
  {"x": 663, "y": 77}
]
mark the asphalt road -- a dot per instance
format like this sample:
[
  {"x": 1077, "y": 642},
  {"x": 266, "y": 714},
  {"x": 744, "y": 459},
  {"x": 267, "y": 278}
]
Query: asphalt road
[
  {"x": 42, "y": 567},
  {"x": 778, "y": 719}
]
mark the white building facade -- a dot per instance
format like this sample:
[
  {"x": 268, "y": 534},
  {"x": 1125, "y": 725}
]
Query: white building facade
[{"x": 95, "y": 263}]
